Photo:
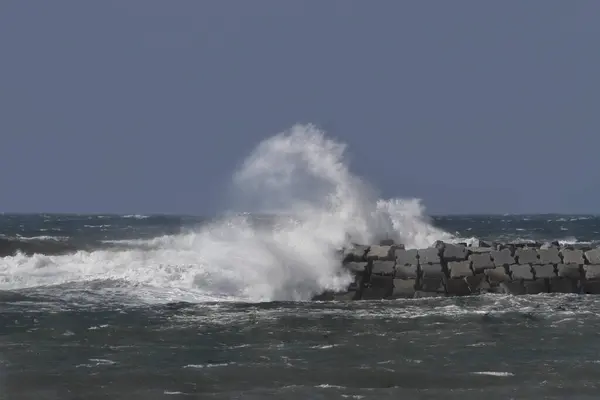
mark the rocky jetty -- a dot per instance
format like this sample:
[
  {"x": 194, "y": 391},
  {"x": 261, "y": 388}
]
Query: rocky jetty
[{"x": 389, "y": 271}]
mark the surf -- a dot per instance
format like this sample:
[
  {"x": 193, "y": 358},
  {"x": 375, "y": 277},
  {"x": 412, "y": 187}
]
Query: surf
[{"x": 301, "y": 179}]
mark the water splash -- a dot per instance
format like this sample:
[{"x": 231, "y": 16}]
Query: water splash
[{"x": 298, "y": 177}]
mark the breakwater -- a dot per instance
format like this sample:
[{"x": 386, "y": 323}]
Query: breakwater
[{"x": 389, "y": 271}]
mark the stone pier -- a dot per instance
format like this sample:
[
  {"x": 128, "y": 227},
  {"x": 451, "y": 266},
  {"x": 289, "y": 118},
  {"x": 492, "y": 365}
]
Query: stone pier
[{"x": 389, "y": 271}]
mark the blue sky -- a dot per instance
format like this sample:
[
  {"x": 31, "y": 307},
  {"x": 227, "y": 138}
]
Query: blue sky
[{"x": 149, "y": 106}]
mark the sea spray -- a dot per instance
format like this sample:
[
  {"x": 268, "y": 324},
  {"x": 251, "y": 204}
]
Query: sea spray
[{"x": 301, "y": 180}]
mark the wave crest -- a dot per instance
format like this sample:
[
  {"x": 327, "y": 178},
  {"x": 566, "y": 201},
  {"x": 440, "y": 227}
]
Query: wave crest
[{"x": 298, "y": 177}]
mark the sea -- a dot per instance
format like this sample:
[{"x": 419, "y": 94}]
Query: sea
[{"x": 106, "y": 306}]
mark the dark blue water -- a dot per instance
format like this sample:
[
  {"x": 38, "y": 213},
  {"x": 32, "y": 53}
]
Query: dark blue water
[{"x": 84, "y": 339}]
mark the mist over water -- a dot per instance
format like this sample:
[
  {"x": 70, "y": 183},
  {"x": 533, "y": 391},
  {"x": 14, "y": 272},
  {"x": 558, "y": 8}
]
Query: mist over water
[{"x": 301, "y": 178}]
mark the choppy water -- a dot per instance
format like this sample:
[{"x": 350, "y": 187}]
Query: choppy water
[{"x": 157, "y": 307}]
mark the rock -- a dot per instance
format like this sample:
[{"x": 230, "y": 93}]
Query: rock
[
  {"x": 389, "y": 242},
  {"x": 459, "y": 269},
  {"x": 544, "y": 271},
  {"x": 521, "y": 272}
]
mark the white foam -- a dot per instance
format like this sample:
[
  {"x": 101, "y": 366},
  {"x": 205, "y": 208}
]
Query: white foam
[
  {"x": 494, "y": 373},
  {"x": 301, "y": 177}
]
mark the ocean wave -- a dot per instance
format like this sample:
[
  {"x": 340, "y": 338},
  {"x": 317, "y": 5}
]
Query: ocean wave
[
  {"x": 316, "y": 206},
  {"x": 35, "y": 245}
]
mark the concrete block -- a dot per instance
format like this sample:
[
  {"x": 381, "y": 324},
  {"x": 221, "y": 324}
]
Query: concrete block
[
  {"x": 563, "y": 285},
  {"x": 429, "y": 256},
  {"x": 477, "y": 283},
  {"x": 355, "y": 253},
  {"x": 591, "y": 271},
  {"x": 383, "y": 268},
  {"x": 497, "y": 275},
  {"x": 502, "y": 257},
  {"x": 407, "y": 271},
  {"x": 356, "y": 267},
  {"x": 593, "y": 256},
  {"x": 520, "y": 271},
  {"x": 457, "y": 287},
  {"x": 432, "y": 285},
  {"x": 432, "y": 271},
  {"x": 403, "y": 288},
  {"x": 480, "y": 250},
  {"x": 347, "y": 296},
  {"x": 544, "y": 271},
  {"x": 590, "y": 287},
  {"x": 453, "y": 252},
  {"x": 571, "y": 271},
  {"x": 482, "y": 244},
  {"x": 460, "y": 269},
  {"x": 527, "y": 256},
  {"x": 406, "y": 257},
  {"x": 514, "y": 288},
  {"x": 481, "y": 261},
  {"x": 536, "y": 287},
  {"x": 572, "y": 257},
  {"x": 326, "y": 296},
  {"x": 379, "y": 287},
  {"x": 549, "y": 256},
  {"x": 419, "y": 294},
  {"x": 377, "y": 252}
]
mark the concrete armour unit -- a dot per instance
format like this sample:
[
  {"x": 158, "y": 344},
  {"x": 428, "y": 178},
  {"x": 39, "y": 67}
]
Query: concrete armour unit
[
  {"x": 573, "y": 257},
  {"x": 389, "y": 271},
  {"x": 378, "y": 252},
  {"x": 502, "y": 257},
  {"x": 481, "y": 261},
  {"x": 544, "y": 271},
  {"x": 453, "y": 252},
  {"x": 429, "y": 256},
  {"x": 460, "y": 269},
  {"x": 593, "y": 256},
  {"x": 521, "y": 272},
  {"x": 527, "y": 256},
  {"x": 383, "y": 268},
  {"x": 549, "y": 256}
]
